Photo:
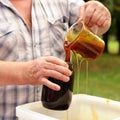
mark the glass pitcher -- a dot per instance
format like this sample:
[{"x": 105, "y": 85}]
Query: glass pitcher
[{"x": 83, "y": 41}]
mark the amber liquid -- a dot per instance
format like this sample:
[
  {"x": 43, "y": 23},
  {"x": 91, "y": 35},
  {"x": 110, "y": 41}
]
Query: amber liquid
[
  {"x": 89, "y": 52},
  {"x": 58, "y": 100},
  {"x": 88, "y": 45}
]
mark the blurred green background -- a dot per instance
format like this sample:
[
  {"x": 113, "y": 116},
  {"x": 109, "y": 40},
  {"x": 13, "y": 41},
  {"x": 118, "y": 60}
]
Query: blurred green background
[{"x": 103, "y": 77}]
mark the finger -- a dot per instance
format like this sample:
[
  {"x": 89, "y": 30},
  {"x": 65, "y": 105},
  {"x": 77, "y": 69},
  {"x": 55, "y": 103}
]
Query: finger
[
  {"x": 103, "y": 19},
  {"x": 57, "y": 61},
  {"x": 50, "y": 84},
  {"x": 89, "y": 15},
  {"x": 106, "y": 23},
  {"x": 58, "y": 68},
  {"x": 94, "y": 19},
  {"x": 106, "y": 26},
  {"x": 56, "y": 75}
]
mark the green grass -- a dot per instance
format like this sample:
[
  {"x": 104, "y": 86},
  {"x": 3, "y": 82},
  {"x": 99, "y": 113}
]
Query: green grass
[
  {"x": 103, "y": 78},
  {"x": 113, "y": 45}
]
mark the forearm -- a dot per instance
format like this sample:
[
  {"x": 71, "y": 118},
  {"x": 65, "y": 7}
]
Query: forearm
[
  {"x": 12, "y": 73},
  {"x": 35, "y": 72}
]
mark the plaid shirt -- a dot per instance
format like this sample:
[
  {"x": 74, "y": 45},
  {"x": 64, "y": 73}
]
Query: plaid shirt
[{"x": 50, "y": 20}]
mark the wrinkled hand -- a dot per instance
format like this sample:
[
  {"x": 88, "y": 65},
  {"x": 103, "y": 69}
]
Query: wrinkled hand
[
  {"x": 95, "y": 13},
  {"x": 39, "y": 70}
]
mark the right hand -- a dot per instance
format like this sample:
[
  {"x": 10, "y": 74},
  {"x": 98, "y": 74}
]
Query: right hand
[
  {"x": 94, "y": 13},
  {"x": 39, "y": 70}
]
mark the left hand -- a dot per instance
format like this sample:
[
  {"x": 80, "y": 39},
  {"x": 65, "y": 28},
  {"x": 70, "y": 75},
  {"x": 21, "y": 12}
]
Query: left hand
[{"x": 94, "y": 13}]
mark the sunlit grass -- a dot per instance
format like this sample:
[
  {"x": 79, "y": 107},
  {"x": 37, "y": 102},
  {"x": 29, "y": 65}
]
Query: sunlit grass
[{"x": 113, "y": 45}]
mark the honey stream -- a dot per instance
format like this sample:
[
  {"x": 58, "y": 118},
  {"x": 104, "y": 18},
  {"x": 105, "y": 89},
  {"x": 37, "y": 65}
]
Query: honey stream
[
  {"x": 78, "y": 64},
  {"x": 77, "y": 61}
]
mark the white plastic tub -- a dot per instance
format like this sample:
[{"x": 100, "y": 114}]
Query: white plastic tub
[{"x": 83, "y": 107}]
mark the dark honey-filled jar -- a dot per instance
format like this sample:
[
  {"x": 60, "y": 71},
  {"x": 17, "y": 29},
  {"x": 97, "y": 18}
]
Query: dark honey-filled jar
[{"x": 58, "y": 100}]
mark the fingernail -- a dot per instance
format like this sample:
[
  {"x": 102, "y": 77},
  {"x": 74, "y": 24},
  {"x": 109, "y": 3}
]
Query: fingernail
[
  {"x": 70, "y": 73},
  {"x": 57, "y": 88},
  {"x": 68, "y": 78}
]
